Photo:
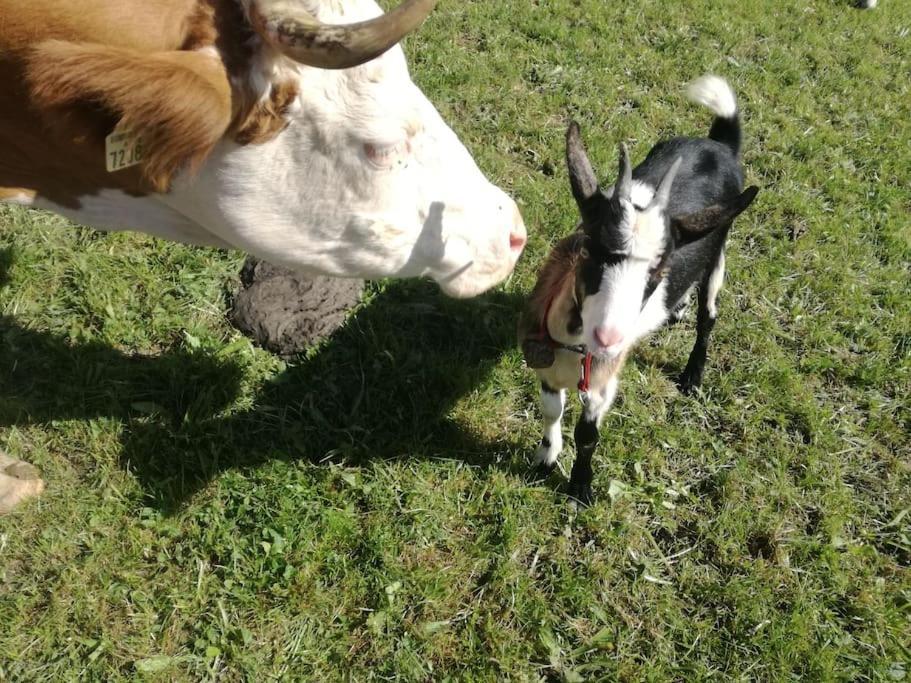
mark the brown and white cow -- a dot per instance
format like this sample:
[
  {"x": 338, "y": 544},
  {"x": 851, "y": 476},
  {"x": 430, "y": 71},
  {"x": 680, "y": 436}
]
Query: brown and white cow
[{"x": 289, "y": 129}]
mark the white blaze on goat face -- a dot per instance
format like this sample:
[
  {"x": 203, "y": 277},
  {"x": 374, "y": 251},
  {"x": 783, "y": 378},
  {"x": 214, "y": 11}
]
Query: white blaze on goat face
[
  {"x": 611, "y": 315},
  {"x": 366, "y": 180}
]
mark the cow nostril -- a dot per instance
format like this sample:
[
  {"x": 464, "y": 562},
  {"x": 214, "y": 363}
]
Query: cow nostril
[
  {"x": 607, "y": 337},
  {"x": 516, "y": 241}
]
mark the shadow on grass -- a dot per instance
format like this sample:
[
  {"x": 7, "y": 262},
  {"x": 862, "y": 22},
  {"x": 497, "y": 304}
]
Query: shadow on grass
[
  {"x": 6, "y": 262},
  {"x": 380, "y": 387}
]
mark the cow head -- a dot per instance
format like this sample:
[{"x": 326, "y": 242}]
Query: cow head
[{"x": 365, "y": 179}]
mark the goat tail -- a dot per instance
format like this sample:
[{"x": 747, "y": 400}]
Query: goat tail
[{"x": 716, "y": 94}]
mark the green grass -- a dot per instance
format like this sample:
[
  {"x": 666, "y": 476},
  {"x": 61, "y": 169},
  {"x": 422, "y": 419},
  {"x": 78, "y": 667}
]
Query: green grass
[{"x": 361, "y": 513}]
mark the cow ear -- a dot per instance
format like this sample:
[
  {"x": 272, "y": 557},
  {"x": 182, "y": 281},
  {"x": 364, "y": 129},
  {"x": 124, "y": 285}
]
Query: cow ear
[
  {"x": 177, "y": 103},
  {"x": 694, "y": 225}
]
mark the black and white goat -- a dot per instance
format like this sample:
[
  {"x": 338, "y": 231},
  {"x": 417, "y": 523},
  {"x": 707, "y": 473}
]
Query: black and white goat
[{"x": 644, "y": 244}]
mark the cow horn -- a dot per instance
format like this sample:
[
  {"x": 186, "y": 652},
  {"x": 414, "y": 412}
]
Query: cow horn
[{"x": 302, "y": 37}]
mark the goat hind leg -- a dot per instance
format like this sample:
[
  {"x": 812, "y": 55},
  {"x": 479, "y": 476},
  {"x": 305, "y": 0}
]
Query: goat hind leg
[{"x": 691, "y": 378}]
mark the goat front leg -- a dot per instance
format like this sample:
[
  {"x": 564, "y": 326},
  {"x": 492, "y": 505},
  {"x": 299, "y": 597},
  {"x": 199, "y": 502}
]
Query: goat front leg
[
  {"x": 691, "y": 378},
  {"x": 552, "y": 401},
  {"x": 595, "y": 405}
]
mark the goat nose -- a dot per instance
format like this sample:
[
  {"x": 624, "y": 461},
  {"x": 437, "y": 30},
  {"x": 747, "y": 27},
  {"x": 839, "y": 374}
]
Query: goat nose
[{"x": 608, "y": 337}]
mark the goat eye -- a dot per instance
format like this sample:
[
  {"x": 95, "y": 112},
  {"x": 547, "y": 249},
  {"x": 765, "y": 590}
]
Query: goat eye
[
  {"x": 658, "y": 268},
  {"x": 657, "y": 272},
  {"x": 583, "y": 252}
]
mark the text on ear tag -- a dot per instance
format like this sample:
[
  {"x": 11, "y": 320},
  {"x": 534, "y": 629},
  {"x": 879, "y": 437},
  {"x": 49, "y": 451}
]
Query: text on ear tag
[{"x": 122, "y": 149}]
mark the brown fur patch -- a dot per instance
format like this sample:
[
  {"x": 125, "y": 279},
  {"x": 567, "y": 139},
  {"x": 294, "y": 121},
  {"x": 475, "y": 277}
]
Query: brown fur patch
[
  {"x": 555, "y": 277},
  {"x": 255, "y": 119},
  {"x": 137, "y": 24},
  {"x": 8, "y": 193},
  {"x": 200, "y": 30},
  {"x": 605, "y": 368},
  {"x": 177, "y": 102},
  {"x": 265, "y": 119},
  {"x": 73, "y": 73}
]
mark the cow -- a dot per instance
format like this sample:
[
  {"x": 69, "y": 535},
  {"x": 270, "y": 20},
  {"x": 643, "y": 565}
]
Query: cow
[{"x": 289, "y": 129}]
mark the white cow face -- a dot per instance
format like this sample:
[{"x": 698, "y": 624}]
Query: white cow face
[{"x": 366, "y": 181}]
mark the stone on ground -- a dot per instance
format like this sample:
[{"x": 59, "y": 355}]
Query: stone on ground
[{"x": 19, "y": 481}]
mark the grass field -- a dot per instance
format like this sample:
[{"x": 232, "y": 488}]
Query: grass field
[{"x": 362, "y": 513}]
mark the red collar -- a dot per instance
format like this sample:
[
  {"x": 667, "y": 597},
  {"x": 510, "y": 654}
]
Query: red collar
[{"x": 586, "y": 373}]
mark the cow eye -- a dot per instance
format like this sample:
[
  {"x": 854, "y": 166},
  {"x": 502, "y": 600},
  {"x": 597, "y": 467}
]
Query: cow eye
[{"x": 387, "y": 156}]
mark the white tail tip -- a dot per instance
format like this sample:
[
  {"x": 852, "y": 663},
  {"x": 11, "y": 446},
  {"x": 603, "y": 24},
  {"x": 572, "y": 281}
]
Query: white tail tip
[{"x": 715, "y": 93}]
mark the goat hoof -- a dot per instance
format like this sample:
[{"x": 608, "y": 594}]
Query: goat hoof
[
  {"x": 688, "y": 388},
  {"x": 582, "y": 492},
  {"x": 677, "y": 316},
  {"x": 541, "y": 471},
  {"x": 689, "y": 383}
]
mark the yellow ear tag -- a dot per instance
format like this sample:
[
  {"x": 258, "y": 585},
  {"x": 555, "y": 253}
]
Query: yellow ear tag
[{"x": 121, "y": 150}]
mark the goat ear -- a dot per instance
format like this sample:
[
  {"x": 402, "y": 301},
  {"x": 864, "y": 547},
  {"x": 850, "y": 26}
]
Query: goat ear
[
  {"x": 663, "y": 193},
  {"x": 624, "y": 186},
  {"x": 582, "y": 178},
  {"x": 694, "y": 225}
]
